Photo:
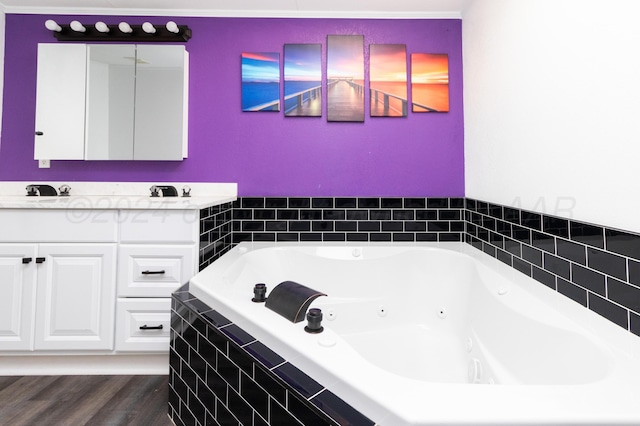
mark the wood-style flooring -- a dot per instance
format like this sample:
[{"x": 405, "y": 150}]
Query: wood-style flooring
[{"x": 84, "y": 400}]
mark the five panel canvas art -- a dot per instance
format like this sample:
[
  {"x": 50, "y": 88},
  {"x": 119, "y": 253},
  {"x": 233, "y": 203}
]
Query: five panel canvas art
[{"x": 388, "y": 85}]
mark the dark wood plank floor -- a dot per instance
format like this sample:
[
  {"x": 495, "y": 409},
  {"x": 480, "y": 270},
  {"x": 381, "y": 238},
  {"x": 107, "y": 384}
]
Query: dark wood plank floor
[{"x": 84, "y": 400}]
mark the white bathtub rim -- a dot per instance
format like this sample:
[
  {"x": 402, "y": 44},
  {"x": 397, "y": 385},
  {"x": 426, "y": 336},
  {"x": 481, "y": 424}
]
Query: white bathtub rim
[{"x": 440, "y": 402}]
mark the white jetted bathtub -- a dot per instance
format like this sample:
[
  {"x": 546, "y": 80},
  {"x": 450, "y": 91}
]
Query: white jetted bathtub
[{"x": 438, "y": 333}]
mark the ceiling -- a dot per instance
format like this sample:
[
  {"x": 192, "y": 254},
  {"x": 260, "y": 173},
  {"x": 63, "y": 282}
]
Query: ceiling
[{"x": 246, "y": 8}]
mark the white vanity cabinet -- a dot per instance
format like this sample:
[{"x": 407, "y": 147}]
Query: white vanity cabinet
[
  {"x": 92, "y": 280},
  {"x": 86, "y": 279},
  {"x": 57, "y": 281}
]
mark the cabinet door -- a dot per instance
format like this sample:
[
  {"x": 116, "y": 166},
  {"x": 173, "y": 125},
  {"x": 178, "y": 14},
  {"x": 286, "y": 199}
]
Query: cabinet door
[
  {"x": 17, "y": 296},
  {"x": 75, "y": 300},
  {"x": 60, "y": 102}
]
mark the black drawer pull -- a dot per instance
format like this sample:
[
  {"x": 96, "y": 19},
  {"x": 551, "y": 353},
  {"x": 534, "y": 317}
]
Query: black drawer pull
[
  {"x": 26, "y": 260},
  {"x": 153, "y": 272},
  {"x": 39, "y": 133},
  {"x": 40, "y": 259},
  {"x": 146, "y": 327}
]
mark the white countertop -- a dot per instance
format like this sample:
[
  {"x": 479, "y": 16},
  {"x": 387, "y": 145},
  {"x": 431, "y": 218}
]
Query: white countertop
[{"x": 117, "y": 195}]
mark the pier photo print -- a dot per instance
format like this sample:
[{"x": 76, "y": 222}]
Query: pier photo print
[
  {"x": 388, "y": 80},
  {"x": 302, "y": 80},
  {"x": 429, "y": 82},
  {"x": 345, "y": 78},
  {"x": 260, "y": 81}
]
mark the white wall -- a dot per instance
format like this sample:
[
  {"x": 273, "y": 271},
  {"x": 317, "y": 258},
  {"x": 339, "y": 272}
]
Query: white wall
[{"x": 552, "y": 107}]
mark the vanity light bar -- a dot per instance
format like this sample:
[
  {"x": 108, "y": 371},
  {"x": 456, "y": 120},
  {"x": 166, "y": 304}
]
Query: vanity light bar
[{"x": 122, "y": 31}]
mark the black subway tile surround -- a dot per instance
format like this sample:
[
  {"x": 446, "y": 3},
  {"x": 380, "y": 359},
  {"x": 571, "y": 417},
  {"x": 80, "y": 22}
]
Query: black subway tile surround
[
  {"x": 216, "y": 227},
  {"x": 348, "y": 219}
]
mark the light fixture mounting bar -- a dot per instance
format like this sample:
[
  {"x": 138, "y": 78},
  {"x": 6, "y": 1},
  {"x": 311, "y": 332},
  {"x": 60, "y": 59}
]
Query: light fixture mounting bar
[{"x": 114, "y": 34}]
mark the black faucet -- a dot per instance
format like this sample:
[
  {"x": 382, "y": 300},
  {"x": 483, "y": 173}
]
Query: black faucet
[
  {"x": 291, "y": 300},
  {"x": 42, "y": 190},
  {"x": 165, "y": 190}
]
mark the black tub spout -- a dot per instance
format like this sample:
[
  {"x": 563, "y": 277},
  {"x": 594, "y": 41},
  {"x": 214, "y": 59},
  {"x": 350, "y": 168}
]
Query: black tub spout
[{"x": 291, "y": 300}]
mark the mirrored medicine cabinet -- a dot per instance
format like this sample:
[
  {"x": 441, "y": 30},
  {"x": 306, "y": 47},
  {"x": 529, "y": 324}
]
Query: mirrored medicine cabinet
[{"x": 111, "y": 102}]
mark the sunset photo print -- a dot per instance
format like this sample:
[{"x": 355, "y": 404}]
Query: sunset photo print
[
  {"x": 388, "y": 80},
  {"x": 429, "y": 82}
]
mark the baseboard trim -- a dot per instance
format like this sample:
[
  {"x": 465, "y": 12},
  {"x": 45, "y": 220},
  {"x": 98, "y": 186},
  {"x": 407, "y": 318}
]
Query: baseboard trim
[{"x": 48, "y": 365}]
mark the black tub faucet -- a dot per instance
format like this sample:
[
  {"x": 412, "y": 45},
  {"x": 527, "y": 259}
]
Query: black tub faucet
[{"x": 291, "y": 300}]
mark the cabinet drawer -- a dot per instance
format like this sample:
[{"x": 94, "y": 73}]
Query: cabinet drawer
[
  {"x": 143, "y": 325},
  {"x": 159, "y": 226},
  {"x": 154, "y": 271}
]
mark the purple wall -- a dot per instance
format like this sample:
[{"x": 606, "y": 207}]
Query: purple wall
[{"x": 266, "y": 153}]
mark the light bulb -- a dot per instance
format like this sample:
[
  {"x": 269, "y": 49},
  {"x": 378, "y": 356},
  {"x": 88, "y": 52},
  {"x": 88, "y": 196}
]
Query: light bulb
[
  {"x": 148, "y": 28},
  {"x": 125, "y": 28},
  {"x": 172, "y": 27},
  {"x": 102, "y": 27},
  {"x": 77, "y": 27},
  {"x": 52, "y": 25}
]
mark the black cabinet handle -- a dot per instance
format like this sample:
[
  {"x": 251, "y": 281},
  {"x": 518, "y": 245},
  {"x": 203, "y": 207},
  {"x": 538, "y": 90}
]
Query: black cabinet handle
[
  {"x": 153, "y": 272},
  {"x": 26, "y": 260},
  {"x": 40, "y": 259},
  {"x": 146, "y": 327},
  {"x": 39, "y": 133}
]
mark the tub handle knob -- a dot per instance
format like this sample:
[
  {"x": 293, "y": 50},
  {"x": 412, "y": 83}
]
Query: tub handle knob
[
  {"x": 259, "y": 293},
  {"x": 314, "y": 320}
]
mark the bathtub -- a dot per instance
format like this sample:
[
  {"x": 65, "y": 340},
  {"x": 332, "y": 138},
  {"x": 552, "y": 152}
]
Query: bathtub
[{"x": 434, "y": 333}]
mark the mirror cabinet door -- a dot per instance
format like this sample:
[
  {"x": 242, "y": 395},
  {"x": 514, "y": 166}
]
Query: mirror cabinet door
[
  {"x": 111, "y": 80},
  {"x": 160, "y": 108},
  {"x": 60, "y": 109}
]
